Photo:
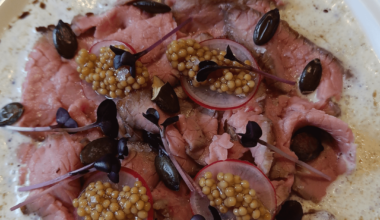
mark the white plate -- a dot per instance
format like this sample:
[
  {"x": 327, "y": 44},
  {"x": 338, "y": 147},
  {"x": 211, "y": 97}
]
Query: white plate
[
  {"x": 367, "y": 13},
  {"x": 22, "y": 35}
]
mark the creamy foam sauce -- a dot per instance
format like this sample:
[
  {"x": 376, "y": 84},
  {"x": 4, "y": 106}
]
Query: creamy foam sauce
[
  {"x": 350, "y": 197},
  {"x": 356, "y": 196}
]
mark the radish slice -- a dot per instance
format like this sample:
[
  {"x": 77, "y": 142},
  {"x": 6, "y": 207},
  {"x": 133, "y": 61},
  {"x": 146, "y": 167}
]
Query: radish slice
[
  {"x": 221, "y": 101},
  {"x": 95, "y": 49},
  {"x": 247, "y": 171},
  {"x": 127, "y": 177}
]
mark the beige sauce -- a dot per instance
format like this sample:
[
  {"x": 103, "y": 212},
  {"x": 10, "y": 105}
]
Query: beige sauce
[{"x": 356, "y": 196}]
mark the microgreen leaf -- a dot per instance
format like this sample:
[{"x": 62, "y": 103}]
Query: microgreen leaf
[
  {"x": 116, "y": 50},
  {"x": 122, "y": 148},
  {"x": 110, "y": 127},
  {"x": 70, "y": 123},
  {"x": 106, "y": 110},
  {"x": 111, "y": 165},
  {"x": 64, "y": 120},
  {"x": 170, "y": 121},
  {"x": 230, "y": 55},
  {"x": 104, "y": 164},
  {"x": 252, "y": 134},
  {"x": 205, "y": 63},
  {"x": 114, "y": 177},
  {"x": 152, "y": 115},
  {"x": 62, "y": 116},
  {"x": 206, "y": 68},
  {"x": 214, "y": 213},
  {"x": 154, "y": 140}
]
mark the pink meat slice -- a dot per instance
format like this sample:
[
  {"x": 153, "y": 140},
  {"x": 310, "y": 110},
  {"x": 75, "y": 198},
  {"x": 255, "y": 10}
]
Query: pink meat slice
[
  {"x": 140, "y": 30},
  {"x": 237, "y": 150},
  {"x": 163, "y": 70},
  {"x": 109, "y": 23},
  {"x": 51, "y": 209},
  {"x": 219, "y": 148},
  {"x": 58, "y": 155},
  {"x": 208, "y": 15},
  {"x": 25, "y": 152},
  {"x": 44, "y": 62},
  {"x": 287, "y": 54},
  {"x": 263, "y": 156},
  {"x": 170, "y": 204},
  {"x": 283, "y": 188},
  {"x": 141, "y": 159},
  {"x": 197, "y": 130},
  {"x": 177, "y": 147},
  {"x": 192, "y": 133},
  {"x": 336, "y": 159},
  {"x": 51, "y": 82},
  {"x": 133, "y": 105}
]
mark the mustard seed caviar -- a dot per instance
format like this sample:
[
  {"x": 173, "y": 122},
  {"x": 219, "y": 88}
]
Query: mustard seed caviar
[
  {"x": 105, "y": 80},
  {"x": 101, "y": 202},
  {"x": 185, "y": 55},
  {"x": 230, "y": 192}
]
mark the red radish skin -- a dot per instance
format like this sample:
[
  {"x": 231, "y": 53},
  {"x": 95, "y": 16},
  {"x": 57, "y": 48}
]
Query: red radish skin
[
  {"x": 203, "y": 96},
  {"x": 257, "y": 179},
  {"x": 95, "y": 49},
  {"x": 127, "y": 177}
]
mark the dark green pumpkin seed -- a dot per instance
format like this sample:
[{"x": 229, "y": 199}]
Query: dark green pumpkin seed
[
  {"x": 96, "y": 149},
  {"x": 152, "y": 7},
  {"x": 10, "y": 113},
  {"x": 266, "y": 27},
  {"x": 310, "y": 77},
  {"x": 65, "y": 41},
  {"x": 167, "y": 172}
]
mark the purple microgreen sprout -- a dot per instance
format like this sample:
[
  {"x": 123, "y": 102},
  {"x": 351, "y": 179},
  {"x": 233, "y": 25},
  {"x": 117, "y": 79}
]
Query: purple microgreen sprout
[
  {"x": 106, "y": 120},
  {"x": 207, "y": 67},
  {"x": 64, "y": 120},
  {"x": 125, "y": 58},
  {"x": 154, "y": 117},
  {"x": 251, "y": 138}
]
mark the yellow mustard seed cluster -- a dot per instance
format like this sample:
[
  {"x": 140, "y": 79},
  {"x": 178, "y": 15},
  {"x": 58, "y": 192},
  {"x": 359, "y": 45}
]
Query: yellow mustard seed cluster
[
  {"x": 101, "y": 202},
  {"x": 230, "y": 192},
  {"x": 104, "y": 78},
  {"x": 185, "y": 55}
]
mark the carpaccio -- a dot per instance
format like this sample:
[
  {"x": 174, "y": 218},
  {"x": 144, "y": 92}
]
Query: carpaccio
[{"x": 198, "y": 138}]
